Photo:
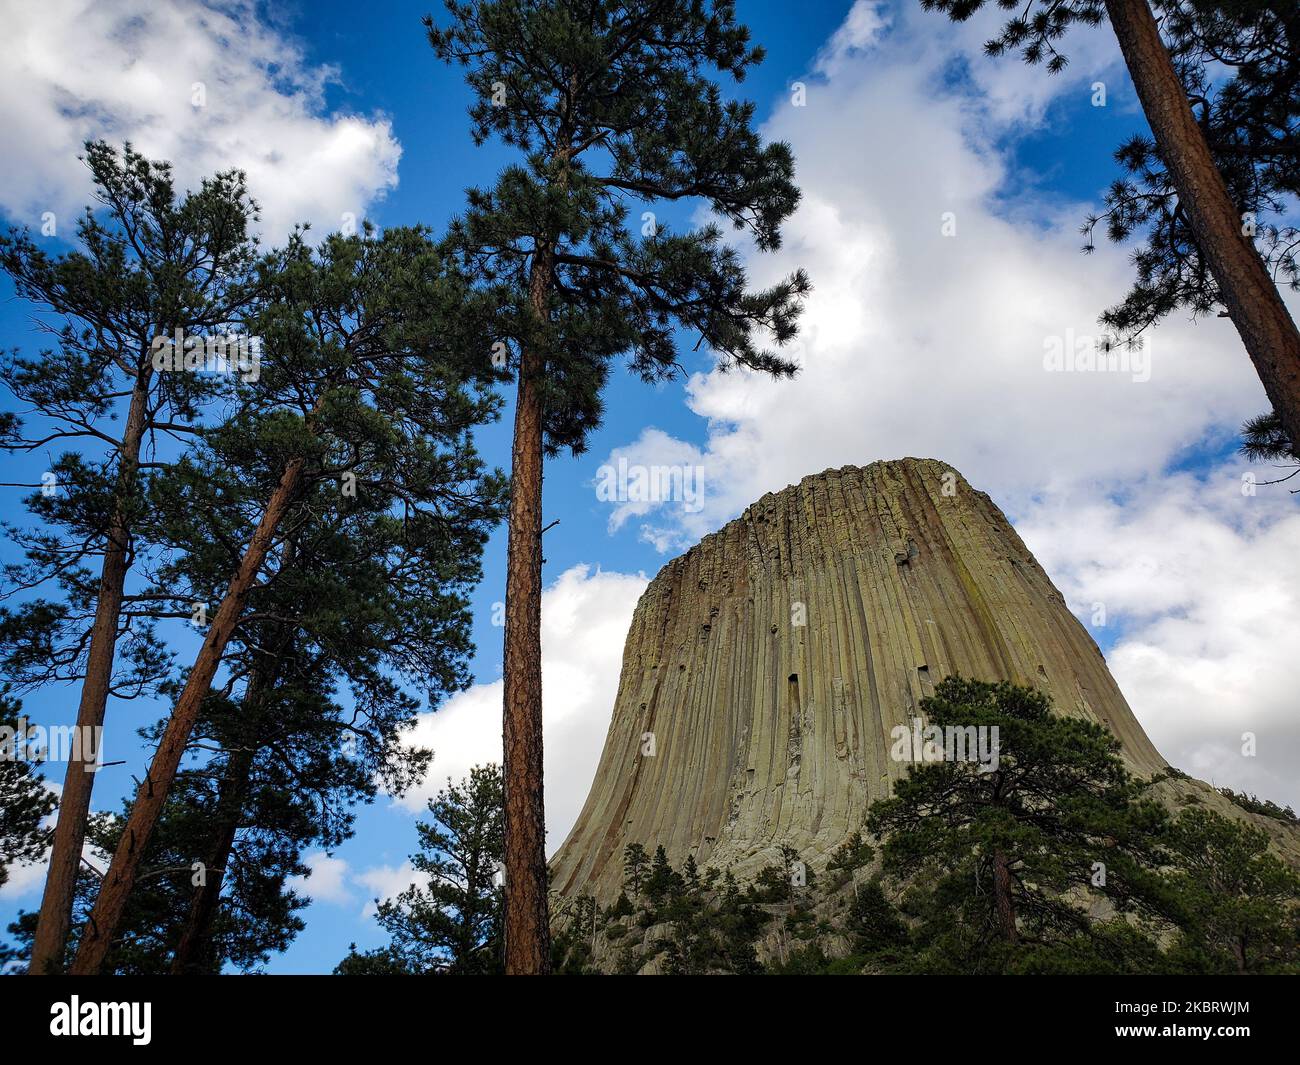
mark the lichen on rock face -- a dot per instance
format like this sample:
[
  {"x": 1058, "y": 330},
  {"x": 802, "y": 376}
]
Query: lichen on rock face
[{"x": 773, "y": 661}]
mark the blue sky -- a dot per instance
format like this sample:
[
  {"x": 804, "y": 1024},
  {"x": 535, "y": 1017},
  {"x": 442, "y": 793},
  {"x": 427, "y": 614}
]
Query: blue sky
[{"x": 916, "y": 344}]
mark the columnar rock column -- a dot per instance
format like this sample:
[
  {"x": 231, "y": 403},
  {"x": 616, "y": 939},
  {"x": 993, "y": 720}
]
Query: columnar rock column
[{"x": 766, "y": 667}]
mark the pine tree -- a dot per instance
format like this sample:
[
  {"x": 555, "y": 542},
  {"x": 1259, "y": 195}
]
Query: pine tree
[
  {"x": 380, "y": 962},
  {"x": 612, "y": 110},
  {"x": 294, "y": 760},
  {"x": 851, "y": 855},
  {"x": 993, "y": 851},
  {"x": 1213, "y": 175},
  {"x": 874, "y": 922},
  {"x": 635, "y": 862},
  {"x": 708, "y": 931},
  {"x": 367, "y": 378},
  {"x": 1238, "y": 902},
  {"x": 663, "y": 882},
  {"x": 263, "y": 911},
  {"x": 25, "y": 802},
  {"x": 149, "y": 263},
  {"x": 357, "y": 597},
  {"x": 573, "y": 948},
  {"x": 781, "y": 881},
  {"x": 1239, "y": 63},
  {"x": 452, "y": 923},
  {"x": 691, "y": 873},
  {"x": 360, "y": 597},
  {"x": 1263, "y": 439}
]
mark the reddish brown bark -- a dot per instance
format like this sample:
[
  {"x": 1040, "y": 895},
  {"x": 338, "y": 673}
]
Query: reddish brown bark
[
  {"x": 1249, "y": 294},
  {"x": 97, "y": 936},
  {"x": 1002, "y": 897},
  {"x": 55, "y": 918},
  {"x": 527, "y": 916}
]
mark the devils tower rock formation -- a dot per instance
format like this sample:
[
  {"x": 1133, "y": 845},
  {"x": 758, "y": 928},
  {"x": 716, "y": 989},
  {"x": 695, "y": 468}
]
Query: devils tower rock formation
[{"x": 765, "y": 668}]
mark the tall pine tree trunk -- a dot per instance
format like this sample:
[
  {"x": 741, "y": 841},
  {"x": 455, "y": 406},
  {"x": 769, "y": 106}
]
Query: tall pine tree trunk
[
  {"x": 192, "y": 948},
  {"x": 1002, "y": 897},
  {"x": 527, "y": 916},
  {"x": 97, "y": 936},
  {"x": 55, "y": 918},
  {"x": 1251, "y": 297}
]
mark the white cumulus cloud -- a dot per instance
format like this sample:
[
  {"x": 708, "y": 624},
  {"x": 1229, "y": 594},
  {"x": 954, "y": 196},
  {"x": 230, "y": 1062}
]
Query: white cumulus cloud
[
  {"x": 585, "y": 618},
  {"x": 208, "y": 86},
  {"x": 382, "y": 882},
  {"x": 328, "y": 881},
  {"x": 1199, "y": 579}
]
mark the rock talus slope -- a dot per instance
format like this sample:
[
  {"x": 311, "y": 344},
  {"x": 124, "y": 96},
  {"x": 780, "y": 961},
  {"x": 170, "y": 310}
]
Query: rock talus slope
[{"x": 765, "y": 668}]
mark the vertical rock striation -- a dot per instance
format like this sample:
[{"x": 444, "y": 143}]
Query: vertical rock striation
[{"x": 766, "y": 667}]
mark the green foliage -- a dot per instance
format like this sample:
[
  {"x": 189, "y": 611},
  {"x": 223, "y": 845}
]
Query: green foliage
[
  {"x": 662, "y": 882},
  {"x": 572, "y": 947},
  {"x": 362, "y": 378},
  {"x": 1239, "y": 904},
  {"x": 260, "y": 917},
  {"x": 382, "y": 961},
  {"x": 1264, "y": 807},
  {"x": 874, "y": 923},
  {"x": 1265, "y": 439},
  {"x": 367, "y": 385},
  {"x": 1199, "y": 894},
  {"x": 452, "y": 922},
  {"x": 25, "y": 802},
  {"x": 261, "y": 912},
  {"x": 805, "y": 961},
  {"x": 1101, "y": 881},
  {"x": 1110, "y": 948},
  {"x": 613, "y": 112},
  {"x": 779, "y": 881},
  {"x": 712, "y": 928},
  {"x": 367, "y": 588},
  {"x": 693, "y": 921},
  {"x": 147, "y": 262},
  {"x": 854, "y": 854},
  {"x": 635, "y": 864},
  {"x": 1058, "y": 812},
  {"x": 1239, "y": 64}
]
